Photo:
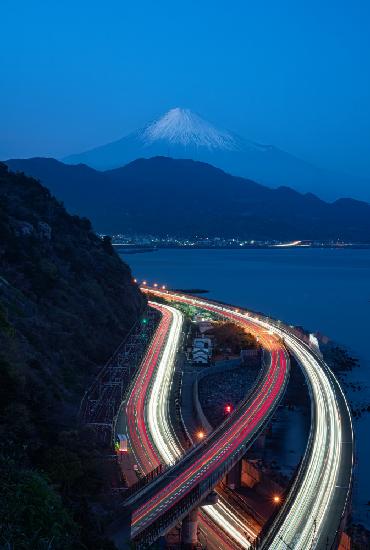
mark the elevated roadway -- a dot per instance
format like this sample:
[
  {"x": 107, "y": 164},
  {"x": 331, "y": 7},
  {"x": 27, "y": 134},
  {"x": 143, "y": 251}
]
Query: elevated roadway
[
  {"x": 152, "y": 439},
  {"x": 168, "y": 499},
  {"x": 313, "y": 513}
]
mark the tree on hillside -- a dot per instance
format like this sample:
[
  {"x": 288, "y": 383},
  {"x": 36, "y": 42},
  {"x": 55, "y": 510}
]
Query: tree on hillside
[{"x": 232, "y": 336}]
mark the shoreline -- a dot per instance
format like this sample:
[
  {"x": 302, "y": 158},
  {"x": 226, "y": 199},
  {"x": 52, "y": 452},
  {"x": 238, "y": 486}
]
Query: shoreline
[{"x": 139, "y": 249}]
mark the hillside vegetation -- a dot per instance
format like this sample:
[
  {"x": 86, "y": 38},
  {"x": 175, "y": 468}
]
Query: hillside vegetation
[{"x": 66, "y": 301}]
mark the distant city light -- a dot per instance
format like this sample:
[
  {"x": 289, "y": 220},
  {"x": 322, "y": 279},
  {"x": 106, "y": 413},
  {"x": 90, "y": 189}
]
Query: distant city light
[
  {"x": 163, "y": 287},
  {"x": 228, "y": 409},
  {"x": 135, "y": 280},
  {"x": 200, "y": 434},
  {"x": 155, "y": 285},
  {"x": 144, "y": 282},
  {"x": 277, "y": 499}
]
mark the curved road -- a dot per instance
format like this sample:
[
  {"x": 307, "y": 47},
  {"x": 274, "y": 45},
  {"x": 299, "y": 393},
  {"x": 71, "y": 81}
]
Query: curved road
[
  {"x": 152, "y": 437},
  {"x": 221, "y": 525},
  {"x": 315, "y": 506},
  {"x": 189, "y": 481}
]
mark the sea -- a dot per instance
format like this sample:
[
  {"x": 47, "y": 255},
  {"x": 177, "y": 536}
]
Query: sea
[{"x": 325, "y": 290}]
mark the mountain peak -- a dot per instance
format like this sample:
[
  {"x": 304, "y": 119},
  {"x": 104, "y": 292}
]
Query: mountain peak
[{"x": 183, "y": 127}]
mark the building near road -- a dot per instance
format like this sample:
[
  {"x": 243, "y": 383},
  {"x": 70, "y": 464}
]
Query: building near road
[{"x": 202, "y": 350}]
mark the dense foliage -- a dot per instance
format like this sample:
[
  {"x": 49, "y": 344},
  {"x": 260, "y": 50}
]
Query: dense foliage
[
  {"x": 66, "y": 301},
  {"x": 233, "y": 337}
]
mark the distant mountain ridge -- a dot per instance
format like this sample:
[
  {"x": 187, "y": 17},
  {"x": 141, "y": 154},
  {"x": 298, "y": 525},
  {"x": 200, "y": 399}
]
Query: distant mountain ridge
[
  {"x": 182, "y": 134},
  {"x": 185, "y": 198}
]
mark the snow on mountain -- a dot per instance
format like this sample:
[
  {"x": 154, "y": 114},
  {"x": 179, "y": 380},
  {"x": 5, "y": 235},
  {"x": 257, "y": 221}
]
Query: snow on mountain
[{"x": 183, "y": 127}]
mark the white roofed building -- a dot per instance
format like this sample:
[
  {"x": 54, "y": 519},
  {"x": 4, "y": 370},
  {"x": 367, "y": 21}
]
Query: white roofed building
[{"x": 202, "y": 350}]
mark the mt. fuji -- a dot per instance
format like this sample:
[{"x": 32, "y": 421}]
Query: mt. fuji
[
  {"x": 185, "y": 128},
  {"x": 180, "y": 133}
]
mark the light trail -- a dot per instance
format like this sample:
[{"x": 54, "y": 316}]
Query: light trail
[
  {"x": 154, "y": 380},
  {"x": 303, "y": 524},
  {"x": 140, "y": 443},
  {"x": 158, "y": 415},
  {"x": 213, "y": 455},
  {"x": 159, "y": 442},
  {"x": 165, "y": 440},
  {"x": 242, "y": 424}
]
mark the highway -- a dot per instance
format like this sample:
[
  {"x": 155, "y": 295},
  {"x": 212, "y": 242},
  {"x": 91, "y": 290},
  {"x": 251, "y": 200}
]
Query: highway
[
  {"x": 140, "y": 443},
  {"x": 152, "y": 438},
  {"x": 170, "y": 449},
  {"x": 311, "y": 515},
  {"x": 189, "y": 481},
  {"x": 324, "y": 481}
]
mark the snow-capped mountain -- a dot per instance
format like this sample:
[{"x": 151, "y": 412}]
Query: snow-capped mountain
[
  {"x": 185, "y": 128},
  {"x": 180, "y": 133}
]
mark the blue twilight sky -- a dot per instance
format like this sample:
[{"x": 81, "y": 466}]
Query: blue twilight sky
[{"x": 294, "y": 73}]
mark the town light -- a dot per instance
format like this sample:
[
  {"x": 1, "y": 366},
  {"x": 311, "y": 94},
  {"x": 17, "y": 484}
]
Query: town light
[
  {"x": 163, "y": 287},
  {"x": 144, "y": 282},
  {"x": 135, "y": 280},
  {"x": 277, "y": 499},
  {"x": 200, "y": 434},
  {"x": 155, "y": 285},
  {"x": 228, "y": 409}
]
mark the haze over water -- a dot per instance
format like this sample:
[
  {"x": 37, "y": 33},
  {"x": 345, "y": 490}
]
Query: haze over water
[{"x": 321, "y": 289}]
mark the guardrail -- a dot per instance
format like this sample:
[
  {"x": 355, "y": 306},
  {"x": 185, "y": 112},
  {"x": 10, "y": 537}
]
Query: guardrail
[{"x": 169, "y": 518}]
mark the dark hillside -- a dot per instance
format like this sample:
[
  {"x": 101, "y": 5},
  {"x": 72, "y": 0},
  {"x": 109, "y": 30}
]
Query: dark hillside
[
  {"x": 164, "y": 196},
  {"x": 66, "y": 301}
]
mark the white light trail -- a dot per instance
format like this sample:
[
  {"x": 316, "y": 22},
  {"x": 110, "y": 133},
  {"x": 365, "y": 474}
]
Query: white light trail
[
  {"x": 306, "y": 516},
  {"x": 164, "y": 439},
  {"x": 158, "y": 414}
]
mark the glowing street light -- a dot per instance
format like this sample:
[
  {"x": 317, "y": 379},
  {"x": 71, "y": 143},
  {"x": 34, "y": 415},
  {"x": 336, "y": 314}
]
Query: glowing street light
[
  {"x": 155, "y": 285},
  {"x": 277, "y": 499},
  {"x": 200, "y": 435},
  {"x": 144, "y": 282}
]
